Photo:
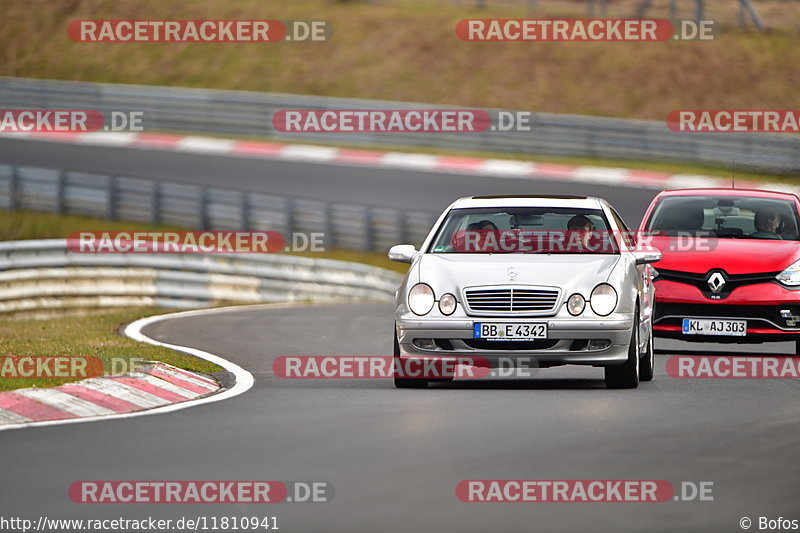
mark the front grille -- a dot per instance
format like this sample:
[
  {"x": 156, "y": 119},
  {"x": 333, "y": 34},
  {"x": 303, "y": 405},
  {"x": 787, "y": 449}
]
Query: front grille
[
  {"x": 512, "y": 300},
  {"x": 732, "y": 281}
]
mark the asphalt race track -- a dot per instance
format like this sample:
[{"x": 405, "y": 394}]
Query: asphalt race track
[
  {"x": 394, "y": 457},
  {"x": 421, "y": 191}
]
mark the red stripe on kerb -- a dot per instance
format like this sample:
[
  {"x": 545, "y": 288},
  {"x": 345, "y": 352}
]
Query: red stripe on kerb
[
  {"x": 104, "y": 400},
  {"x": 359, "y": 156},
  {"x": 160, "y": 374},
  {"x": 157, "y": 140},
  {"x": 648, "y": 176},
  {"x": 58, "y": 135},
  {"x": 152, "y": 389},
  {"x": 30, "y": 408},
  {"x": 552, "y": 169},
  {"x": 459, "y": 163},
  {"x": 257, "y": 148}
]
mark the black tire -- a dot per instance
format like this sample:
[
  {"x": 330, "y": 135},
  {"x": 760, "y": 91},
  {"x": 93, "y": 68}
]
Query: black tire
[
  {"x": 797, "y": 347},
  {"x": 648, "y": 361},
  {"x": 405, "y": 383},
  {"x": 626, "y": 375}
]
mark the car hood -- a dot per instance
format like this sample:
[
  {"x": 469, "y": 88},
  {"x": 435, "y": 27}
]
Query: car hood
[
  {"x": 453, "y": 272},
  {"x": 735, "y": 256}
]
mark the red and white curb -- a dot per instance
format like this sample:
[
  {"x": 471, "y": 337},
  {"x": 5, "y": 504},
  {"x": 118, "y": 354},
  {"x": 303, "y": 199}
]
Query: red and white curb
[
  {"x": 157, "y": 388},
  {"x": 499, "y": 168},
  {"x": 156, "y": 385}
]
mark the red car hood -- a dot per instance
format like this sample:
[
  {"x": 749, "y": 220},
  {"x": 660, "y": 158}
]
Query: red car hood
[{"x": 734, "y": 256}]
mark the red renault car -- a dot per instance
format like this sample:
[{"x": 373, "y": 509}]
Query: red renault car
[{"x": 730, "y": 267}]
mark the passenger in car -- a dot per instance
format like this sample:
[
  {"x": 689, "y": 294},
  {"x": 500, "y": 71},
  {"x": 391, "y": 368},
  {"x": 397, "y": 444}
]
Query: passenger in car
[
  {"x": 580, "y": 223},
  {"x": 585, "y": 226}
]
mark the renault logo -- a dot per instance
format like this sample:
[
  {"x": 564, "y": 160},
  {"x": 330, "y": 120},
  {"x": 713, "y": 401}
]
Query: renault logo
[
  {"x": 716, "y": 282},
  {"x": 512, "y": 272}
]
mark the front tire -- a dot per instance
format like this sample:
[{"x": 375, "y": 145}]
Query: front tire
[
  {"x": 626, "y": 375},
  {"x": 401, "y": 382}
]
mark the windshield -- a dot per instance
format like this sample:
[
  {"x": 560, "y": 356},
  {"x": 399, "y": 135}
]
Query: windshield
[
  {"x": 524, "y": 230},
  {"x": 733, "y": 217}
]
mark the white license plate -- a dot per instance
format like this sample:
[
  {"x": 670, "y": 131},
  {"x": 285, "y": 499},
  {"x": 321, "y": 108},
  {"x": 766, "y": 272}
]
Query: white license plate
[
  {"x": 714, "y": 326},
  {"x": 500, "y": 331}
]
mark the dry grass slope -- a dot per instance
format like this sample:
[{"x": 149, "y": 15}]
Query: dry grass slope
[{"x": 407, "y": 50}]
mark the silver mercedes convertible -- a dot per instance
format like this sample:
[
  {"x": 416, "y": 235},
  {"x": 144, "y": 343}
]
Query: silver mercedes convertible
[{"x": 536, "y": 281}]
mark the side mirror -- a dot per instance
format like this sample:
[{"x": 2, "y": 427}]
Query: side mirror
[
  {"x": 644, "y": 257},
  {"x": 402, "y": 253}
]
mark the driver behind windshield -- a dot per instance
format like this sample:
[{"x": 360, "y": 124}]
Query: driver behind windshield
[
  {"x": 766, "y": 222},
  {"x": 484, "y": 225}
]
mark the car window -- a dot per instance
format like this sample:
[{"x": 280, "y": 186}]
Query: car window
[
  {"x": 627, "y": 235},
  {"x": 524, "y": 229},
  {"x": 722, "y": 216}
]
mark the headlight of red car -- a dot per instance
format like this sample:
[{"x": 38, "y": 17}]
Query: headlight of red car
[{"x": 790, "y": 276}]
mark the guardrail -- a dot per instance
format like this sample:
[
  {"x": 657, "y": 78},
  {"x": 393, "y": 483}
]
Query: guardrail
[
  {"x": 345, "y": 226},
  {"x": 250, "y": 113},
  {"x": 44, "y": 274}
]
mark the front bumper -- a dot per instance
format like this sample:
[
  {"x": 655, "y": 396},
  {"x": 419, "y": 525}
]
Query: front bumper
[
  {"x": 765, "y": 306},
  {"x": 567, "y": 341}
]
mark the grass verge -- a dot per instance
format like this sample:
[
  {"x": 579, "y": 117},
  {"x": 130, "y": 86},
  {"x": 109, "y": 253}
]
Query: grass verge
[
  {"x": 96, "y": 333},
  {"x": 93, "y": 334}
]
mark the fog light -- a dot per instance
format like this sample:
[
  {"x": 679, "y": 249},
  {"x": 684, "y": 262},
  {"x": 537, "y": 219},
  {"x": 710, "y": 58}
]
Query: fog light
[
  {"x": 790, "y": 318},
  {"x": 576, "y": 304},
  {"x": 447, "y": 304},
  {"x": 425, "y": 344},
  {"x": 598, "y": 344}
]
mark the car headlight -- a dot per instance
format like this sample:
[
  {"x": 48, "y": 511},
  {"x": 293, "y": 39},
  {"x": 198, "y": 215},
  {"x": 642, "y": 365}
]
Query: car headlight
[
  {"x": 790, "y": 276},
  {"x": 421, "y": 299},
  {"x": 604, "y": 299},
  {"x": 447, "y": 304},
  {"x": 576, "y": 304}
]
